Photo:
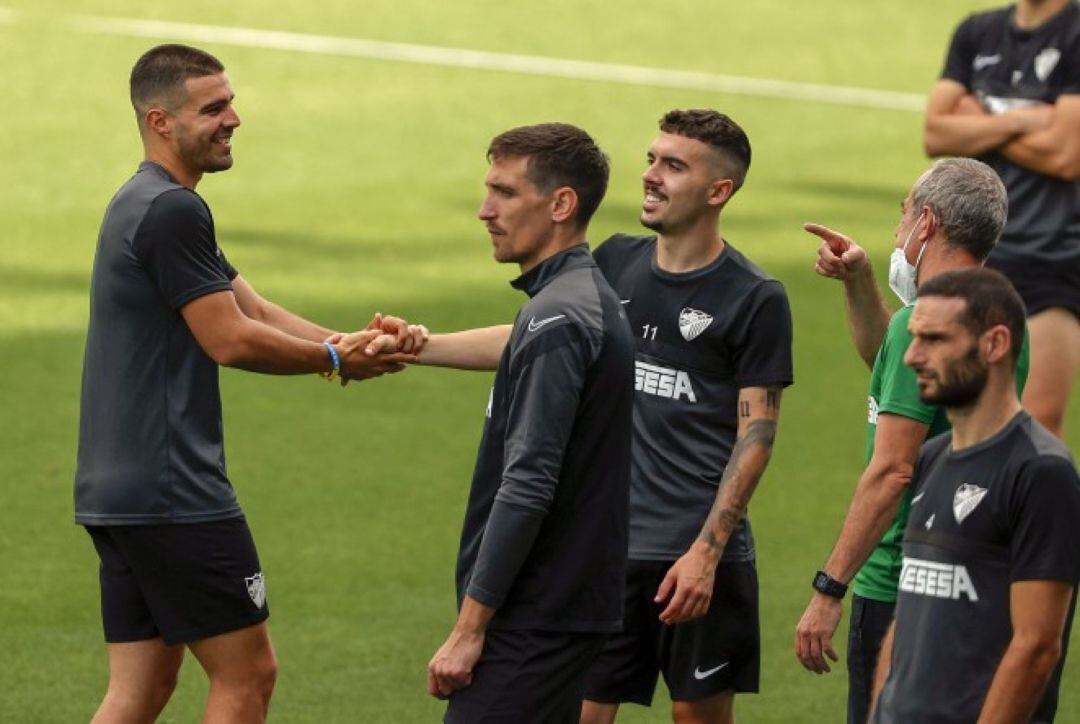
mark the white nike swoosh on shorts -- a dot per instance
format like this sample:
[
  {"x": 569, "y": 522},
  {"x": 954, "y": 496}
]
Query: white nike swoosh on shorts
[{"x": 699, "y": 674}]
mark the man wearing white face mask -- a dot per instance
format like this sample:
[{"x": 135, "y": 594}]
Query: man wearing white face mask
[{"x": 950, "y": 219}]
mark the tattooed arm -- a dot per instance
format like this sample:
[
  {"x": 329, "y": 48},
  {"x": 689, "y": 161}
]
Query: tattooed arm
[{"x": 689, "y": 582}]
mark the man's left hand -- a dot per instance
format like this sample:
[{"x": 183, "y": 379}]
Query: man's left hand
[
  {"x": 689, "y": 583},
  {"x": 450, "y": 669}
]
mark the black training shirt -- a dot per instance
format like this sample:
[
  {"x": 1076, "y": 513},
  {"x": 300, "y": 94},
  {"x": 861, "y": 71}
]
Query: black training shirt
[
  {"x": 701, "y": 337},
  {"x": 1008, "y": 67},
  {"x": 1002, "y": 511},
  {"x": 544, "y": 539},
  {"x": 150, "y": 431}
]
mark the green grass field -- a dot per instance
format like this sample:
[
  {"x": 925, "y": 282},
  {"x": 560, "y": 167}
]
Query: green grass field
[{"x": 355, "y": 189}]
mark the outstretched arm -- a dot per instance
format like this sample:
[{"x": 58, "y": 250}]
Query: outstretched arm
[
  {"x": 256, "y": 307},
  {"x": 839, "y": 257},
  {"x": 689, "y": 582},
  {"x": 472, "y": 349},
  {"x": 231, "y": 338}
]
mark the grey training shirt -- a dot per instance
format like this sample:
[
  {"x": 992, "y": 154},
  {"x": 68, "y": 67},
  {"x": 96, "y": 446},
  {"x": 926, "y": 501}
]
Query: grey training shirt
[
  {"x": 150, "y": 430},
  {"x": 701, "y": 337},
  {"x": 982, "y": 518},
  {"x": 544, "y": 539}
]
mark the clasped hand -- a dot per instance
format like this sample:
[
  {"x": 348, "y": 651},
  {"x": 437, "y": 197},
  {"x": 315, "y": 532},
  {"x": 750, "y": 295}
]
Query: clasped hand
[{"x": 385, "y": 346}]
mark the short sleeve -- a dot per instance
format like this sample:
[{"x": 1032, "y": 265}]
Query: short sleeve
[
  {"x": 605, "y": 254},
  {"x": 1071, "y": 71},
  {"x": 175, "y": 244},
  {"x": 761, "y": 344},
  {"x": 899, "y": 385},
  {"x": 961, "y": 53},
  {"x": 1043, "y": 509}
]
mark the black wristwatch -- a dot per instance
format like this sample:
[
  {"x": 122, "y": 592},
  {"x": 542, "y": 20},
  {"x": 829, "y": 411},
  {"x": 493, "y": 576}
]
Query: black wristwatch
[{"x": 828, "y": 585}]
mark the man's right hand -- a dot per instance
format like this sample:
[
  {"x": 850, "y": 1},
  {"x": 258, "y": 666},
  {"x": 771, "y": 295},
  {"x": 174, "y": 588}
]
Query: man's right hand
[
  {"x": 370, "y": 353},
  {"x": 838, "y": 256},
  {"x": 813, "y": 635}
]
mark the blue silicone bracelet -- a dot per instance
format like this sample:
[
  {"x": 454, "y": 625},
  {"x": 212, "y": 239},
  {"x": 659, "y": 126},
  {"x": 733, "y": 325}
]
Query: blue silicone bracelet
[{"x": 333, "y": 358}]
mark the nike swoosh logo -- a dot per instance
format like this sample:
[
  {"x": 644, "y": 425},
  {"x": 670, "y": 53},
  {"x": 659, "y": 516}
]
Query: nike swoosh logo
[
  {"x": 699, "y": 674},
  {"x": 624, "y": 301},
  {"x": 918, "y": 497},
  {"x": 534, "y": 325},
  {"x": 982, "y": 61}
]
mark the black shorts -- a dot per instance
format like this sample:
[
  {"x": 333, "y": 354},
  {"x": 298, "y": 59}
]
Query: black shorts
[
  {"x": 178, "y": 582},
  {"x": 718, "y": 652},
  {"x": 527, "y": 676},
  {"x": 1042, "y": 286}
]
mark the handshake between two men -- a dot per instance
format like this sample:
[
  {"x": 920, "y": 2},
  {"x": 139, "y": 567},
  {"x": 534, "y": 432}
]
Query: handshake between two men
[{"x": 385, "y": 346}]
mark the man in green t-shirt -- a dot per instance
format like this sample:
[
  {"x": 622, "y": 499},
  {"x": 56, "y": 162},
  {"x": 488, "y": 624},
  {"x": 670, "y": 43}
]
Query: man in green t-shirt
[{"x": 950, "y": 219}]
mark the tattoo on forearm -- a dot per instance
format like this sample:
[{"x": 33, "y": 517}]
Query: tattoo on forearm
[{"x": 735, "y": 490}]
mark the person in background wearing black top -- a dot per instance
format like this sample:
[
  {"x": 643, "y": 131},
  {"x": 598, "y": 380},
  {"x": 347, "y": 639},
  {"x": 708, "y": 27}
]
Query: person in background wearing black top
[
  {"x": 178, "y": 564},
  {"x": 542, "y": 563},
  {"x": 1010, "y": 95},
  {"x": 991, "y": 549},
  {"x": 713, "y": 337}
]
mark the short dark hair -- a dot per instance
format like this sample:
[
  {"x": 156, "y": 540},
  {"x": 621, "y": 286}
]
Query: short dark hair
[
  {"x": 969, "y": 200},
  {"x": 719, "y": 132},
  {"x": 990, "y": 300},
  {"x": 162, "y": 70},
  {"x": 559, "y": 155}
]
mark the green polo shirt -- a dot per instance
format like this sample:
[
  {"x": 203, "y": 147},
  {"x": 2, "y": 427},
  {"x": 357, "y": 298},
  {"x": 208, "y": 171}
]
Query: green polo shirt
[{"x": 894, "y": 390}]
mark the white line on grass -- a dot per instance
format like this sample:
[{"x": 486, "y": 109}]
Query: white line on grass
[{"x": 482, "y": 60}]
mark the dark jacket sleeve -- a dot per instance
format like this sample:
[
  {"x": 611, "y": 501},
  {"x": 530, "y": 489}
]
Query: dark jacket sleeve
[{"x": 546, "y": 379}]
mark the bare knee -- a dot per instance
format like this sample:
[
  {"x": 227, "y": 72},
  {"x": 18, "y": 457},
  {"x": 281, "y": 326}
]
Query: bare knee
[
  {"x": 594, "y": 712},
  {"x": 127, "y": 702},
  {"x": 254, "y": 683},
  {"x": 719, "y": 709}
]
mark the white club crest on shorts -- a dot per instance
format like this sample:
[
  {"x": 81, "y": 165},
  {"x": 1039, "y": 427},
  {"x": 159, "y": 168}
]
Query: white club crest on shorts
[
  {"x": 1045, "y": 62},
  {"x": 256, "y": 588},
  {"x": 693, "y": 322},
  {"x": 967, "y": 498}
]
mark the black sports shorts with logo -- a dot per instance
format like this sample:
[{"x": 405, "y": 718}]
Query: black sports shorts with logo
[
  {"x": 181, "y": 582},
  {"x": 718, "y": 652},
  {"x": 527, "y": 677}
]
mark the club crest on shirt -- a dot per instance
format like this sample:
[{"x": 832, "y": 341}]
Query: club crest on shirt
[
  {"x": 1045, "y": 62},
  {"x": 967, "y": 498},
  {"x": 256, "y": 588},
  {"x": 693, "y": 322}
]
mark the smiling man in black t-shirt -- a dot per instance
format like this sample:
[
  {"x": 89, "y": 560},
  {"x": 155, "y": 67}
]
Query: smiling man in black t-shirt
[{"x": 178, "y": 565}]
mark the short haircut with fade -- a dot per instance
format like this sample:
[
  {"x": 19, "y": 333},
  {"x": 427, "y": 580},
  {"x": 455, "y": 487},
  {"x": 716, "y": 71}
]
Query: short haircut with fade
[
  {"x": 558, "y": 155},
  {"x": 161, "y": 72},
  {"x": 990, "y": 300},
  {"x": 968, "y": 198},
  {"x": 716, "y": 130}
]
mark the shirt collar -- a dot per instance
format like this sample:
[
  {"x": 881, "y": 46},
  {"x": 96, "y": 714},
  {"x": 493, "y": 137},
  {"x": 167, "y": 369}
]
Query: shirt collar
[{"x": 532, "y": 281}]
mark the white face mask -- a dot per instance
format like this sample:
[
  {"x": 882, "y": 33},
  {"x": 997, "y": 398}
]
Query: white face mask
[{"x": 902, "y": 273}]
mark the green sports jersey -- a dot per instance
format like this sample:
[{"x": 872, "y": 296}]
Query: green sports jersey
[{"x": 894, "y": 390}]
